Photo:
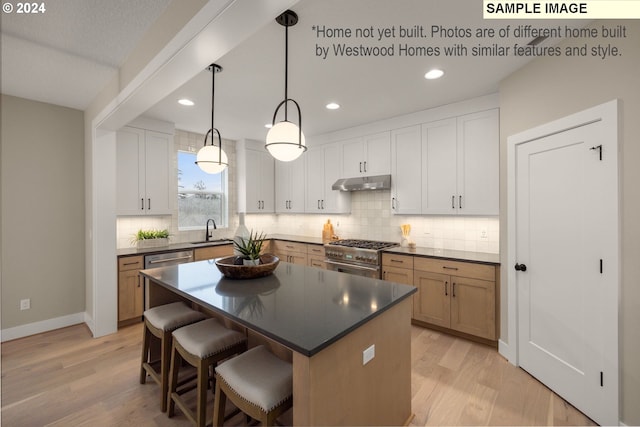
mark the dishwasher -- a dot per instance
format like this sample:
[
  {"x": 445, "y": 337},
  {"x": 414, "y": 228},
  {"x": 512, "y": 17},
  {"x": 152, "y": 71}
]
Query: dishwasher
[{"x": 163, "y": 260}]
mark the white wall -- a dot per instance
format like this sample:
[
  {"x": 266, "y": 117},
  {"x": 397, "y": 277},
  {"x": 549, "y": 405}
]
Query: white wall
[{"x": 551, "y": 88}]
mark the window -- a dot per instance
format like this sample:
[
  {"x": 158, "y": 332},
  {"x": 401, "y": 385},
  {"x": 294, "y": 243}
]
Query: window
[{"x": 200, "y": 195}]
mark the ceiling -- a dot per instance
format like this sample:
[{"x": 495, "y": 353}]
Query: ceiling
[
  {"x": 65, "y": 57},
  {"x": 69, "y": 53}
]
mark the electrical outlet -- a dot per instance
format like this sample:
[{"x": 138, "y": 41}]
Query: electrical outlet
[
  {"x": 483, "y": 234},
  {"x": 25, "y": 304},
  {"x": 368, "y": 354}
]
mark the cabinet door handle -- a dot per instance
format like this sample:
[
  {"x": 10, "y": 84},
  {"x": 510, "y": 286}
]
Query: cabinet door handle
[
  {"x": 149, "y": 204},
  {"x": 453, "y": 289},
  {"x": 318, "y": 204},
  {"x": 322, "y": 203},
  {"x": 393, "y": 203},
  {"x": 397, "y": 260},
  {"x": 365, "y": 166},
  {"x": 453, "y": 202},
  {"x": 460, "y": 202},
  {"x": 360, "y": 167},
  {"x": 449, "y": 268},
  {"x": 142, "y": 203},
  {"x": 446, "y": 291}
]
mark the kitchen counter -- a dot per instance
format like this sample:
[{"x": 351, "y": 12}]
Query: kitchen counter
[
  {"x": 329, "y": 321},
  {"x": 171, "y": 248},
  {"x": 478, "y": 257}
]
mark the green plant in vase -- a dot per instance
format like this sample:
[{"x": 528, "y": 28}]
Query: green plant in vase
[
  {"x": 150, "y": 237},
  {"x": 250, "y": 248}
]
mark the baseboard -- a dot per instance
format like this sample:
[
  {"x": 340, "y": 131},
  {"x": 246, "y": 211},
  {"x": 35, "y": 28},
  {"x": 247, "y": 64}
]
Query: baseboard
[
  {"x": 89, "y": 321},
  {"x": 505, "y": 351},
  {"x": 42, "y": 326}
]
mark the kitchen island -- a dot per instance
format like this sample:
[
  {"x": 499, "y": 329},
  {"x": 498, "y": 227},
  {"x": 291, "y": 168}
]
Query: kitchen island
[{"x": 326, "y": 323}]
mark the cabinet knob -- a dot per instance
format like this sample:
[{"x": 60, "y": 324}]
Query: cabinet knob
[{"x": 520, "y": 267}]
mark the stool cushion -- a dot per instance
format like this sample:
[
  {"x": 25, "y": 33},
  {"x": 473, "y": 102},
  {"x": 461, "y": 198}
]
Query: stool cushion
[
  {"x": 172, "y": 316},
  {"x": 258, "y": 377},
  {"x": 206, "y": 338}
]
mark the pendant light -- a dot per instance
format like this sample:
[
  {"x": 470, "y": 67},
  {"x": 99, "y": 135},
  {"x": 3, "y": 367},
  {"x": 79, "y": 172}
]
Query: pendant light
[
  {"x": 285, "y": 140},
  {"x": 210, "y": 158}
]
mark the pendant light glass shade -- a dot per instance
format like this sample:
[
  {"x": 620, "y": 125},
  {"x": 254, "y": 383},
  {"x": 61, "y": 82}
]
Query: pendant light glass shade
[
  {"x": 283, "y": 143},
  {"x": 211, "y": 158},
  {"x": 285, "y": 140}
]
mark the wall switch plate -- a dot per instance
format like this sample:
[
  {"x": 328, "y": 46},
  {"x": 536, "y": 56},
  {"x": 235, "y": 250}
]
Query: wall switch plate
[
  {"x": 25, "y": 304},
  {"x": 368, "y": 354}
]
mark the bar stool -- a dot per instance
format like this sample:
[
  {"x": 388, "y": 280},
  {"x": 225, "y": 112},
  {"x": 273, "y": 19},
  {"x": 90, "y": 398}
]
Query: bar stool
[
  {"x": 202, "y": 345},
  {"x": 257, "y": 382},
  {"x": 160, "y": 322}
]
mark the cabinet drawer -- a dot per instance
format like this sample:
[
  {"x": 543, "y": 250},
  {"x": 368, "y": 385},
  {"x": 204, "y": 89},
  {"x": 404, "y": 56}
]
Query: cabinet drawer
[
  {"x": 285, "y": 246},
  {"x": 130, "y": 263},
  {"x": 213, "y": 252},
  {"x": 393, "y": 260},
  {"x": 455, "y": 268},
  {"x": 315, "y": 250}
]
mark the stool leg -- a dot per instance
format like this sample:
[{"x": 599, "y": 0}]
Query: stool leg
[
  {"x": 218, "y": 406},
  {"x": 164, "y": 369},
  {"x": 203, "y": 380},
  {"x": 176, "y": 361},
  {"x": 146, "y": 337}
]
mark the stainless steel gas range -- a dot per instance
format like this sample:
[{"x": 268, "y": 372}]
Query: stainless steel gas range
[{"x": 360, "y": 257}]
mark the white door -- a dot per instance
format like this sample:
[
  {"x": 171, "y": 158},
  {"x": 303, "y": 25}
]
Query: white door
[{"x": 566, "y": 277}]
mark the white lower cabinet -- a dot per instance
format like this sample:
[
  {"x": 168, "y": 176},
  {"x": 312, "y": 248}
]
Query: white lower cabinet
[{"x": 143, "y": 161}]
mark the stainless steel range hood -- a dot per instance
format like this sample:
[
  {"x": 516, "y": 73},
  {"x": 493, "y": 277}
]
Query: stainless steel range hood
[{"x": 380, "y": 182}]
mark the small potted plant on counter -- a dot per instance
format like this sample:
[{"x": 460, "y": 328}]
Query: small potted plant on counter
[
  {"x": 249, "y": 248},
  {"x": 151, "y": 238}
]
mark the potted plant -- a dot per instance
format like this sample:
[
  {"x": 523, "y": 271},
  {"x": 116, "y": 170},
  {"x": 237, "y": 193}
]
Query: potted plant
[
  {"x": 249, "y": 248},
  {"x": 151, "y": 238}
]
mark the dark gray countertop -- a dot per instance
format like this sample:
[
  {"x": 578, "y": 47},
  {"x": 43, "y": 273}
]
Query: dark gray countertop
[
  {"x": 479, "y": 257},
  {"x": 303, "y": 308},
  {"x": 170, "y": 248}
]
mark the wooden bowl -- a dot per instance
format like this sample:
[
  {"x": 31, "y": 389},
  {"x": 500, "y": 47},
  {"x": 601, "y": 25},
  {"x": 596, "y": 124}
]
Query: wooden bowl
[{"x": 268, "y": 263}]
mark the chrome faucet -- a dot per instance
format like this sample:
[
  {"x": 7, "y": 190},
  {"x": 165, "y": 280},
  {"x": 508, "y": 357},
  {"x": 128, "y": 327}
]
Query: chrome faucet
[{"x": 210, "y": 234}]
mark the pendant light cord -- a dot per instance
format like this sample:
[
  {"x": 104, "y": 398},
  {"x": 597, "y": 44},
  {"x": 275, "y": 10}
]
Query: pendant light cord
[{"x": 286, "y": 69}]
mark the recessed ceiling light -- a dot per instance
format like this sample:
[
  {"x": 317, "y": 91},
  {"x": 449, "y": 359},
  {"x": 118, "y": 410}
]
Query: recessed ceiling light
[
  {"x": 434, "y": 74},
  {"x": 332, "y": 106},
  {"x": 186, "y": 102}
]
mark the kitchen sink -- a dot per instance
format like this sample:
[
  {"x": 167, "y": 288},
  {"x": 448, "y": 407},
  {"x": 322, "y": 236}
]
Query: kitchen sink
[{"x": 202, "y": 242}]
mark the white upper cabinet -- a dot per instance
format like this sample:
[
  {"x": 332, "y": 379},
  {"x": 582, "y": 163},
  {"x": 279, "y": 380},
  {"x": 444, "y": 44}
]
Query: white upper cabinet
[
  {"x": 367, "y": 156},
  {"x": 143, "y": 159},
  {"x": 323, "y": 169},
  {"x": 256, "y": 178},
  {"x": 478, "y": 163},
  {"x": 439, "y": 167},
  {"x": 460, "y": 162},
  {"x": 406, "y": 170},
  {"x": 290, "y": 186}
]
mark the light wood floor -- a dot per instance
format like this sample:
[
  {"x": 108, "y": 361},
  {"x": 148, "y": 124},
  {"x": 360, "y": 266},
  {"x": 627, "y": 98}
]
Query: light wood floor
[{"x": 67, "y": 378}]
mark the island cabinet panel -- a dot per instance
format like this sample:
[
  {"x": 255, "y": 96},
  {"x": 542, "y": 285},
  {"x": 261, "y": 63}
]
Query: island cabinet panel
[
  {"x": 456, "y": 295},
  {"x": 211, "y": 252},
  {"x": 130, "y": 289},
  {"x": 293, "y": 252},
  {"x": 376, "y": 393}
]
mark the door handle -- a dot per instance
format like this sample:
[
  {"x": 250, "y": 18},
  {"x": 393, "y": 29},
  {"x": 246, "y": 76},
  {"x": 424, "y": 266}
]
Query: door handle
[
  {"x": 142, "y": 203},
  {"x": 446, "y": 293},
  {"x": 149, "y": 204},
  {"x": 520, "y": 267},
  {"x": 365, "y": 166},
  {"x": 453, "y": 289},
  {"x": 360, "y": 167},
  {"x": 453, "y": 202}
]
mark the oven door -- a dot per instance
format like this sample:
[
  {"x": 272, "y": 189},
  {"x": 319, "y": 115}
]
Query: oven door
[{"x": 358, "y": 270}]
